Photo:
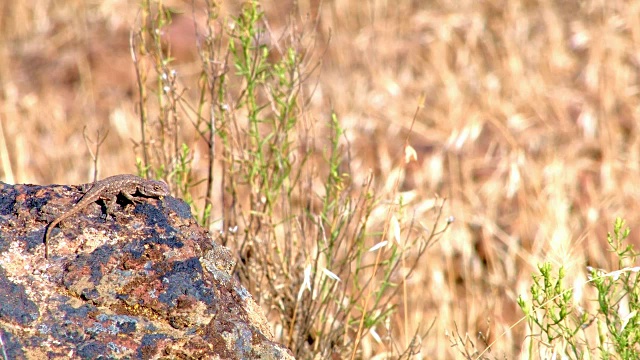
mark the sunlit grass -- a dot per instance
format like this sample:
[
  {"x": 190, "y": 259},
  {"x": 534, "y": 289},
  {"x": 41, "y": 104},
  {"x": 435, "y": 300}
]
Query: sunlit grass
[{"x": 526, "y": 125}]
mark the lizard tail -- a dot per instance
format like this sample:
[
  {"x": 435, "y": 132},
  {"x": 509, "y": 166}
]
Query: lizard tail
[{"x": 46, "y": 238}]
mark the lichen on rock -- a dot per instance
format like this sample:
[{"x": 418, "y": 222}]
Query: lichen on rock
[{"x": 144, "y": 283}]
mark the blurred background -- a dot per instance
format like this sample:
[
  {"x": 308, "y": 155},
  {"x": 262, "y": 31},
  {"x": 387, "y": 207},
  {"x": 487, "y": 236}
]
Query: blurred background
[{"x": 526, "y": 121}]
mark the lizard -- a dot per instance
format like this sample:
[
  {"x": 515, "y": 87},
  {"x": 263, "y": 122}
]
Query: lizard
[{"x": 108, "y": 189}]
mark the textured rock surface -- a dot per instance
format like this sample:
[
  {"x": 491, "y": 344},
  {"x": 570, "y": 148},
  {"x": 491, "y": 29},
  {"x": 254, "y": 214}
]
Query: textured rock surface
[{"x": 145, "y": 282}]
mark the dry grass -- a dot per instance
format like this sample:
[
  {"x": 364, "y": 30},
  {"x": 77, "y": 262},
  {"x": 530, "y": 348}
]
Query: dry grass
[{"x": 528, "y": 127}]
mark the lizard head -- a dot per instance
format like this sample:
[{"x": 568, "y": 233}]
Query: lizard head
[{"x": 155, "y": 188}]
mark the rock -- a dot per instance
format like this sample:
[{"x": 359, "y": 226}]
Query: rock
[{"x": 146, "y": 282}]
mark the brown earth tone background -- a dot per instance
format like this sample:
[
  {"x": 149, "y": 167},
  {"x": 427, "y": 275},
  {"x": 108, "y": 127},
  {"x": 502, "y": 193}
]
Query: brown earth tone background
[{"x": 529, "y": 126}]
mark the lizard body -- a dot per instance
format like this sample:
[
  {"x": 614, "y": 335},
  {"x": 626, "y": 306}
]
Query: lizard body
[{"x": 108, "y": 189}]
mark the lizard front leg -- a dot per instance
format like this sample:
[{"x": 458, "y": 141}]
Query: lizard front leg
[
  {"x": 112, "y": 201},
  {"x": 129, "y": 196}
]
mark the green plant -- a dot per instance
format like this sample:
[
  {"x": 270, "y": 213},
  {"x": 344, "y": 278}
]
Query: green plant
[
  {"x": 560, "y": 327},
  {"x": 618, "y": 299},
  {"x": 310, "y": 252}
]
